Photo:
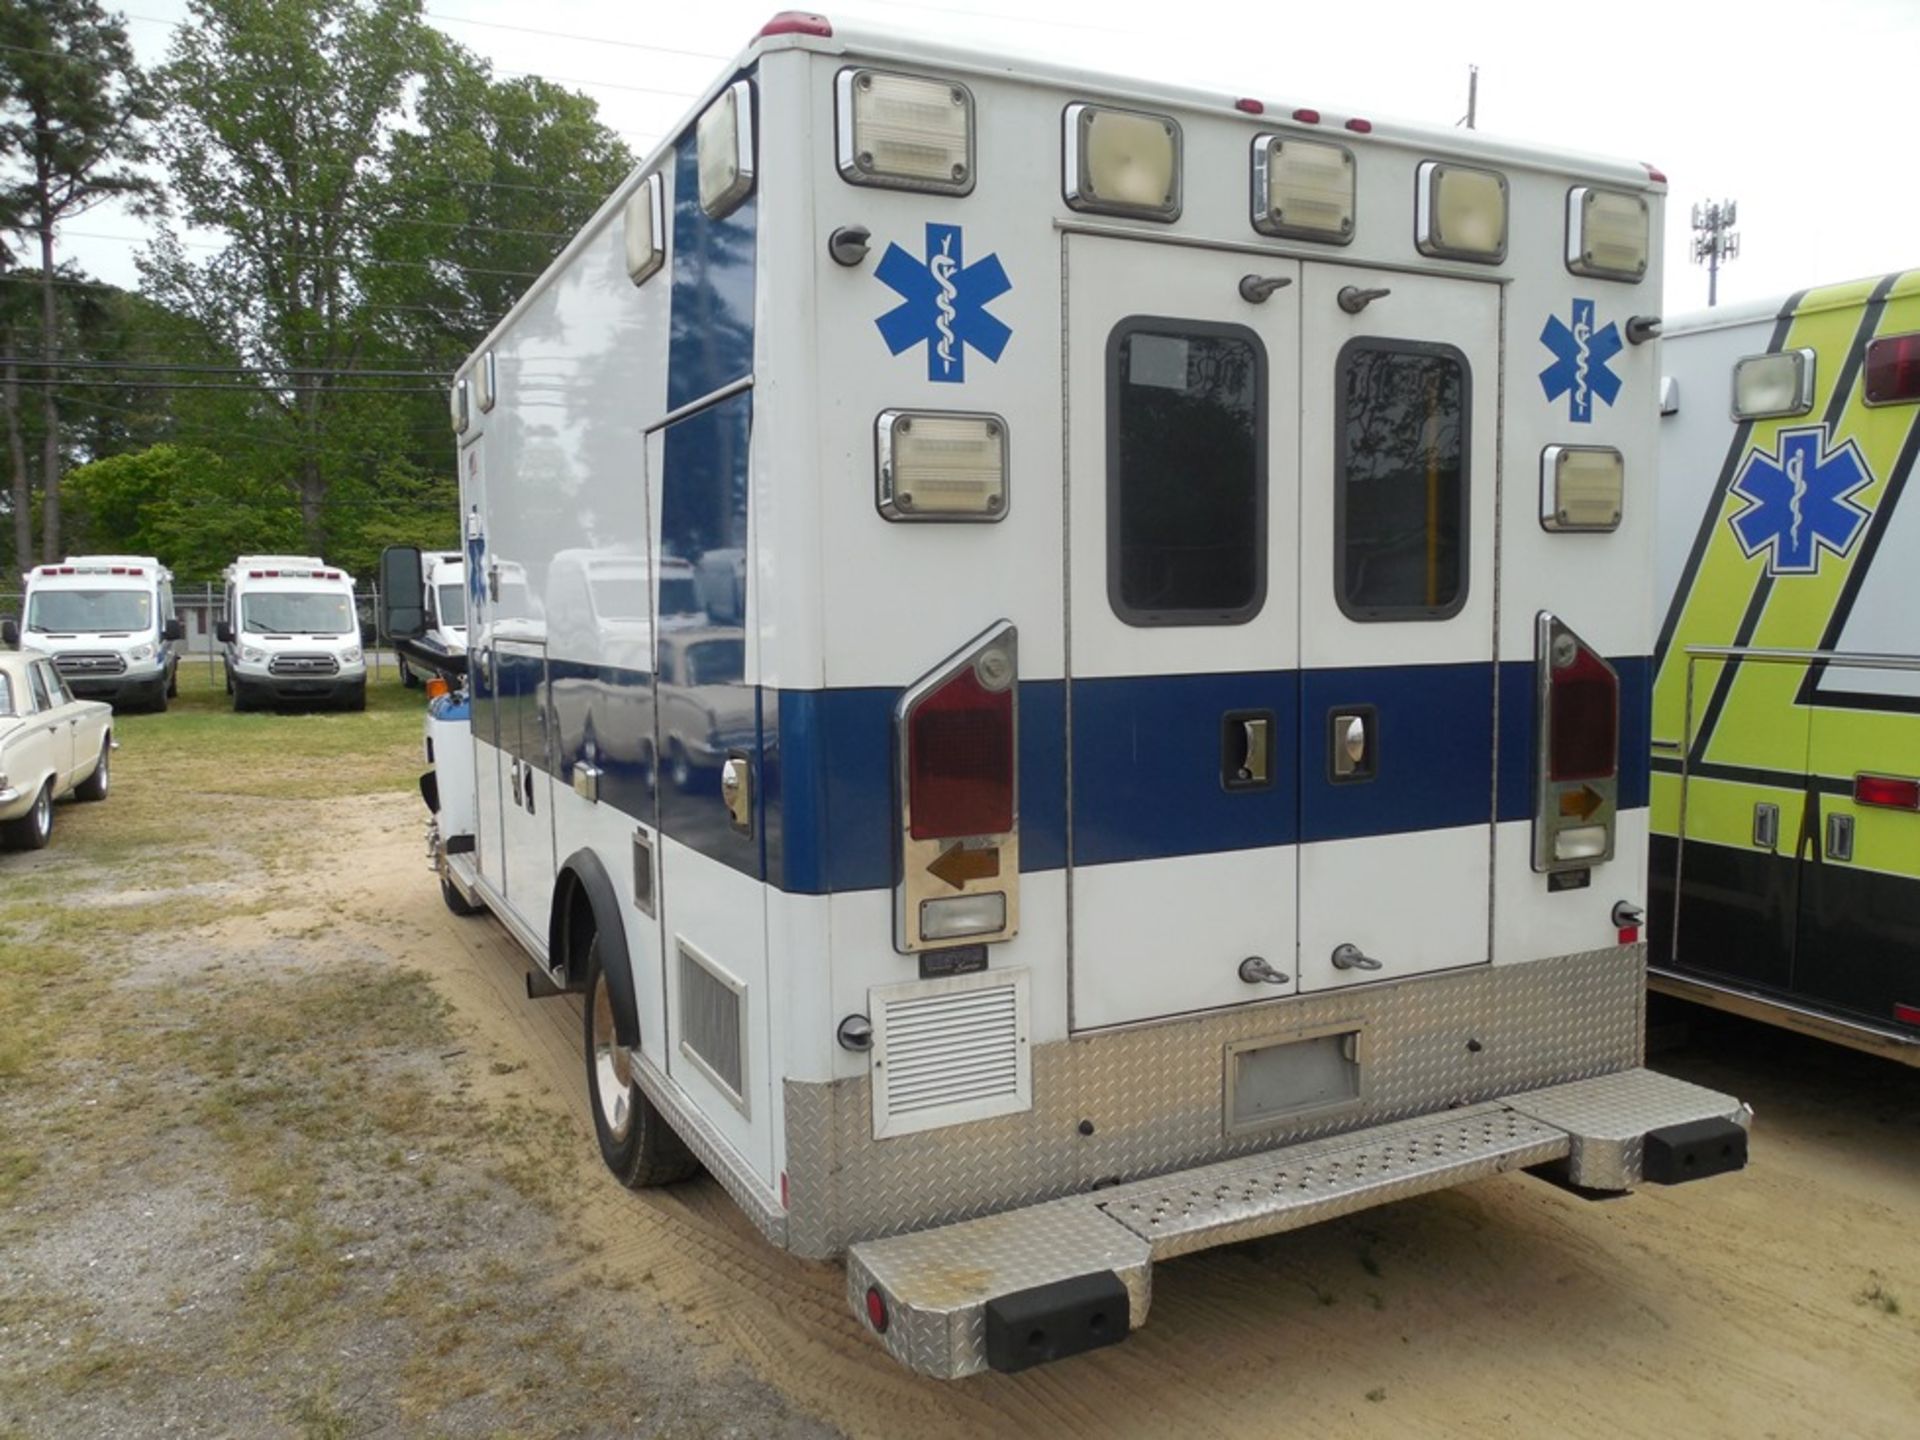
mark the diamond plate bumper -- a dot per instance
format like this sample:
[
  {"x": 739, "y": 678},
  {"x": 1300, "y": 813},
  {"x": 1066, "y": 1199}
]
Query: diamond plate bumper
[{"x": 937, "y": 1283}]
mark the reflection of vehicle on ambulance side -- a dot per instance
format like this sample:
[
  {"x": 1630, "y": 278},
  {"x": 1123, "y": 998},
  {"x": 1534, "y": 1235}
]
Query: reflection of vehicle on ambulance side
[
  {"x": 1786, "y": 723},
  {"x": 704, "y": 716},
  {"x": 291, "y": 633},
  {"x": 107, "y": 621}
]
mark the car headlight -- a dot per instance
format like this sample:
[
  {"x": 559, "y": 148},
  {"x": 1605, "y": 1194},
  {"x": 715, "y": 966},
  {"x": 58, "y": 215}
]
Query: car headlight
[
  {"x": 350, "y": 655},
  {"x": 251, "y": 655},
  {"x": 140, "y": 652}
]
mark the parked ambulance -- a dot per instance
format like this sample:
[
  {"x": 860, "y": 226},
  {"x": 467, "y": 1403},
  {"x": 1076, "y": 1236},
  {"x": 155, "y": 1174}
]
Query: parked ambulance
[
  {"x": 1786, "y": 723},
  {"x": 291, "y": 634},
  {"x": 444, "y": 574},
  {"x": 1072, "y": 520},
  {"x": 108, "y": 623}
]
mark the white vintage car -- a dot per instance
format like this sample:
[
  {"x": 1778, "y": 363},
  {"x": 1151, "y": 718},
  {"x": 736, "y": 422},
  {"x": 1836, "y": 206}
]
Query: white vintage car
[{"x": 50, "y": 745}]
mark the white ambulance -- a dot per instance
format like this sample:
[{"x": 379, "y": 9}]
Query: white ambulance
[
  {"x": 291, "y": 633},
  {"x": 108, "y": 623},
  {"x": 444, "y": 575},
  {"x": 1170, "y": 604}
]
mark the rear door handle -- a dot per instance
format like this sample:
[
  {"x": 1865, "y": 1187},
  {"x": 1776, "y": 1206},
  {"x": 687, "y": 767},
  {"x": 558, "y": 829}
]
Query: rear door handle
[{"x": 1246, "y": 749}]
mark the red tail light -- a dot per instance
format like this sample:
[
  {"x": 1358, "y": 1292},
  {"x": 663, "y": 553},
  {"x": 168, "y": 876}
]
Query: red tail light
[
  {"x": 960, "y": 752},
  {"x": 1584, "y": 706},
  {"x": 1891, "y": 792},
  {"x": 1893, "y": 369}
]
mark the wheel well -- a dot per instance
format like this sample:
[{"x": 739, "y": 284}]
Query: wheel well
[
  {"x": 571, "y": 928},
  {"x": 586, "y": 904}
]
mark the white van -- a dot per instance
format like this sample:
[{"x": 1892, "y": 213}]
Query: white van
[
  {"x": 108, "y": 623},
  {"x": 1118, "y": 818},
  {"x": 445, "y": 574},
  {"x": 291, "y": 633}
]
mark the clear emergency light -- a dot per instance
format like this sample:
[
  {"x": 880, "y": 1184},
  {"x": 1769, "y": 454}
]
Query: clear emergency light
[
  {"x": 646, "y": 227},
  {"x": 1122, "y": 162},
  {"x": 1766, "y": 387},
  {"x": 1581, "y": 487},
  {"x": 1576, "y": 749},
  {"x": 937, "y": 466},
  {"x": 908, "y": 132},
  {"x": 956, "y": 739},
  {"x": 457, "y": 406},
  {"x": 1302, "y": 189},
  {"x": 486, "y": 383},
  {"x": 1607, "y": 233},
  {"x": 723, "y": 143},
  {"x": 1460, "y": 213}
]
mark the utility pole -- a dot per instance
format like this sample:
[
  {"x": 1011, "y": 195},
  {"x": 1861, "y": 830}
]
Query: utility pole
[
  {"x": 1473, "y": 99},
  {"x": 1715, "y": 241}
]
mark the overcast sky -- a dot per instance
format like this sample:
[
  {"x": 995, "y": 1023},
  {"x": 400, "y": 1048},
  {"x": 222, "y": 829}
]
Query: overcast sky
[{"x": 1803, "y": 113}]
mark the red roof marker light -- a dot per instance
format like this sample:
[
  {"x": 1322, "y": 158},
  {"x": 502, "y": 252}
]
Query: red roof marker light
[
  {"x": 1654, "y": 173},
  {"x": 1248, "y": 106},
  {"x": 1307, "y": 116},
  {"x": 1359, "y": 126},
  {"x": 798, "y": 22}
]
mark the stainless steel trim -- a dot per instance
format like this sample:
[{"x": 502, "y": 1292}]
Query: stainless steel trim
[
  {"x": 847, "y": 158},
  {"x": 694, "y": 407},
  {"x": 758, "y": 1203},
  {"x": 1356, "y": 1051},
  {"x": 1862, "y": 659},
  {"x": 1766, "y": 825},
  {"x": 1840, "y": 837},
  {"x": 687, "y": 953}
]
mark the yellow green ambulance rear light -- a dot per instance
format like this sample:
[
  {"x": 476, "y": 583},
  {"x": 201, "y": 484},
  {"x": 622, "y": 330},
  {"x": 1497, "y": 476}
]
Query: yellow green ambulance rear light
[
  {"x": 723, "y": 142},
  {"x": 1766, "y": 387},
  {"x": 1122, "y": 162},
  {"x": 1460, "y": 213},
  {"x": 1581, "y": 487},
  {"x": 908, "y": 132},
  {"x": 1607, "y": 233},
  {"x": 645, "y": 225},
  {"x": 933, "y": 465},
  {"x": 1302, "y": 189}
]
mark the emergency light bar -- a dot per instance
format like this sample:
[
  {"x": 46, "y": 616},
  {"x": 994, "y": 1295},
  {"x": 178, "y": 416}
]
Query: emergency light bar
[
  {"x": 723, "y": 144},
  {"x": 1122, "y": 162},
  {"x": 1768, "y": 386},
  {"x": 646, "y": 227},
  {"x": 1460, "y": 213},
  {"x": 908, "y": 132},
  {"x": 134, "y": 570},
  {"x": 296, "y": 575},
  {"x": 1606, "y": 233},
  {"x": 1580, "y": 487},
  {"x": 1302, "y": 189}
]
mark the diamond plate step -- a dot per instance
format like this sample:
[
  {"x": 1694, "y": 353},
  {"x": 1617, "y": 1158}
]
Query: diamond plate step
[{"x": 1243, "y": 1199}]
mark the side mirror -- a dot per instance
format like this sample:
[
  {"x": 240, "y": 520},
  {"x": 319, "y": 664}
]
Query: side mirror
[
  {"x": 223, "y": 632},
  {"x": 173, "y": 630},
  {"x": 10, "y": 632},
  {"x": 403, "y": 594}
]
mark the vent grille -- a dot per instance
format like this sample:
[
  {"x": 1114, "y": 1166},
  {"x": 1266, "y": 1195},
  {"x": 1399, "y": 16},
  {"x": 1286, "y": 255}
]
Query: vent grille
[
  {"x": 90, "y": 662},
  {"x": 303, "y": 665},
  {"x": 949, "y": 1051},
  {"x": 713, "y": 1022}
]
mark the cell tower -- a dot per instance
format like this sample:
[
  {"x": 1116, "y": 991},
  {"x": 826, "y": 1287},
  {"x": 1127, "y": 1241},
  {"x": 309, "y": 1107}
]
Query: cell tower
[{"x": 1715, "y": 241}]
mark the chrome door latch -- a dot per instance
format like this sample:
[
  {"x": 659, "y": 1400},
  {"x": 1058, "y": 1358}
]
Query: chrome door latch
[
  {"x": 1352, "y": 957},
  {"x": 736, "y": 792},
  {"x": 1256, "y": 971}
]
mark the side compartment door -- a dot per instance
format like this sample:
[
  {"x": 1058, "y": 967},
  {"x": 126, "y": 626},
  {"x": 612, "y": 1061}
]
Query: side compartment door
[
  {"x": 1182, "y": 684},
  {"x": 1399, "y": 394},
  {"x": 527, "y": 821},
  {"x": 712, "y": 893}
]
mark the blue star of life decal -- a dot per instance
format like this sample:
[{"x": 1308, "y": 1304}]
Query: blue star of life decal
[
  {"x": 1799, "y": 500},
  {"x": 1581, "y": 355},
  {"x": 943, "y": 304}
]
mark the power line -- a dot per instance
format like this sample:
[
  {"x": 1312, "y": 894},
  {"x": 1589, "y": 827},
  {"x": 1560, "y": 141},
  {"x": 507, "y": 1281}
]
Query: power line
[
  {"x": 61, "y": 362},
  {"x": 54, "y": 382},
  {"x": 223, "y": 245},
  {"x": 584, "y": 39}
]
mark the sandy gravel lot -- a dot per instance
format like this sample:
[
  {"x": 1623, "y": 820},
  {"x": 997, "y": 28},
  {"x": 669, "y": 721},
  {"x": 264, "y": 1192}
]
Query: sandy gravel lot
[{"x": 284, "y": 1150}]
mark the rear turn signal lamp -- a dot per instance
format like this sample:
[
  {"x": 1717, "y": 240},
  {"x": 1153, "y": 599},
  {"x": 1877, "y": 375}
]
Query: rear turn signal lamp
[
  {"x": 1576, "y": 750},
  {"x": 1893, "y": 370},
  {"x": 956, "y": 733},
  {"x": 1889, "y": 792}
]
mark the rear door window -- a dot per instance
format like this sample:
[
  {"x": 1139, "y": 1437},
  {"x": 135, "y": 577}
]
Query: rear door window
[
  {"x": 1186, "y": 472},
  {"x": 1400, "y": 506}
]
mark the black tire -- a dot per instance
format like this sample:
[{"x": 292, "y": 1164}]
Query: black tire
[
  {"x": 408, "y": 680},
  {"x": 356, "y": 698},
  {"x": 643, "y": 1152},
  {"x": 227, "y": 675},
  {"x": 456, "y": 902},
  {"x": 244, "y": 697},
  {"x": 34, "y": 829},
  {"x": 173, "y": 682},
  {"x": 95, "y": 786}
]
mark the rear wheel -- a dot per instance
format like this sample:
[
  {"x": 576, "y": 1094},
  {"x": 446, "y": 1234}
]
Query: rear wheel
[
  {"x": 456, "y": 902},
  {"x": 94, "y": 787},
  {"x": 408, "y": 679},
  {"x": 356, "y": 697},
  {"x": 243, "y": 695},
  {"x": 635, "y": 1139},
  {"x": 34, "y": 829}
]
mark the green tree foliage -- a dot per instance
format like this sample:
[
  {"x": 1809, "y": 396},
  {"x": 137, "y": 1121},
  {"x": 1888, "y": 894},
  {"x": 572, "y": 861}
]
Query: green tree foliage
[
  {"x": 185, "y": 504},
  {"x": 73, "y": 107}
]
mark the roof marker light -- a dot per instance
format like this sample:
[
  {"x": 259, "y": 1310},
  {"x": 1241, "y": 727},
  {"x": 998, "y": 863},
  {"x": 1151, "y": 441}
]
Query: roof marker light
[
  {"x": 1249, "y": 107},
  {"x": 1307, "y": 116},
  {"x": 798, "y": 22},
  {"x": 1359, "y": 126},
  {"x": 1654, "y": 173}
]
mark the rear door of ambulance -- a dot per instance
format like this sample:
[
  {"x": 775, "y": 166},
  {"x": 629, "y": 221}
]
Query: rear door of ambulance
[{"x": 1280, "y": 597}]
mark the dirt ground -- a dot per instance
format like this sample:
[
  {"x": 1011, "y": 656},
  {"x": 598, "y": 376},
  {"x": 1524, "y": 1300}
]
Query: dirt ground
[{"x": 285, "y": 1150}]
